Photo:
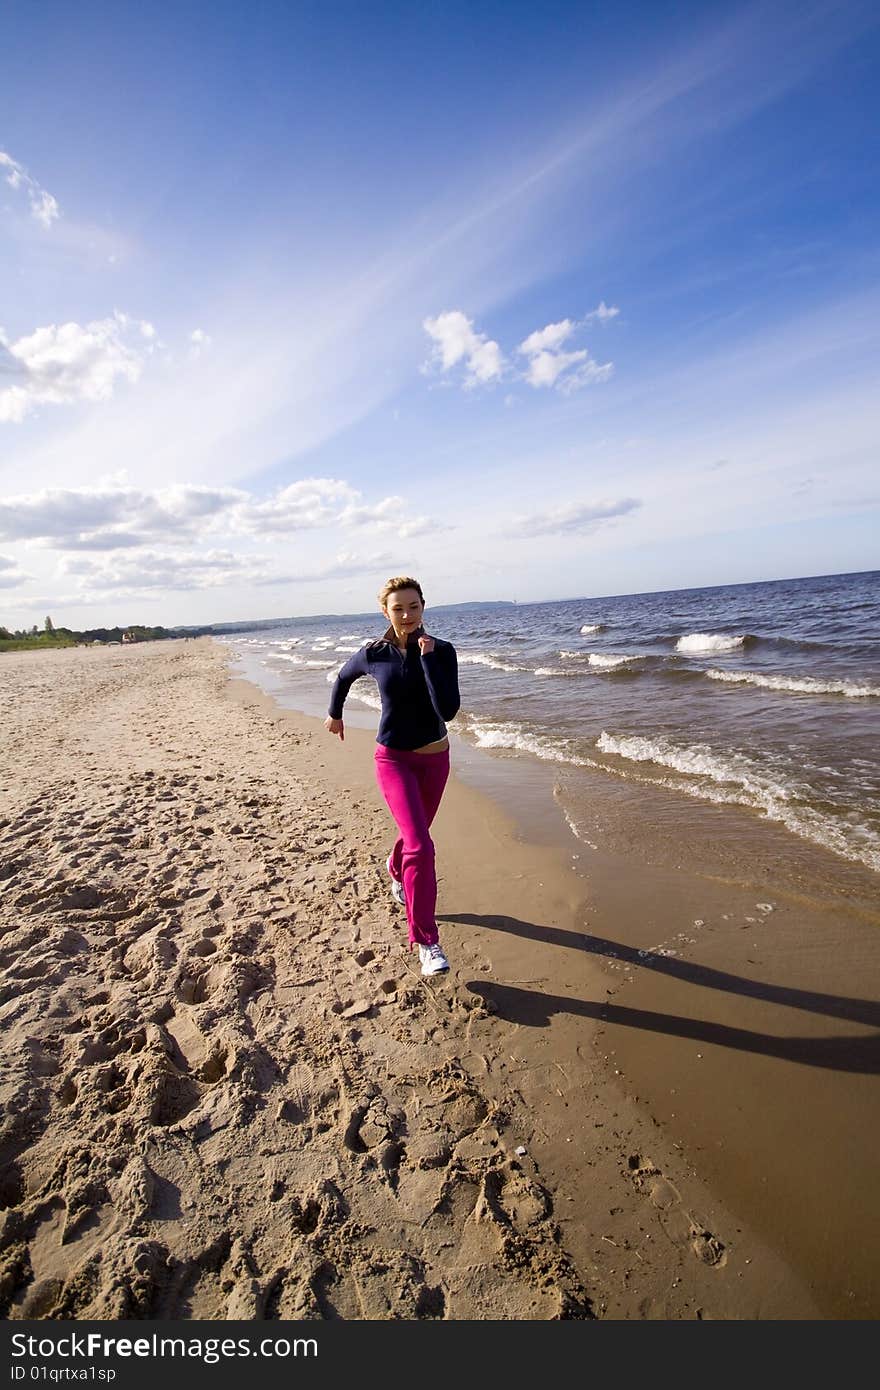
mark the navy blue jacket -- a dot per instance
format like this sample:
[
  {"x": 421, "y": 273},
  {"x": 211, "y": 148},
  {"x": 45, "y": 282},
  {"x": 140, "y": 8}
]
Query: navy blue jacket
[{"x": 418, "y": 692}]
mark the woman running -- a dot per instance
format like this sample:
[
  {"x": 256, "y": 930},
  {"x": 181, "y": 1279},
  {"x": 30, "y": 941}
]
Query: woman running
[{"x": 417, "y": 677}]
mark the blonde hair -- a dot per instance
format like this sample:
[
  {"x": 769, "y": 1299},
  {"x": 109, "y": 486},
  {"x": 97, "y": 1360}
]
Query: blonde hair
[{"x": 391, "y": 586}]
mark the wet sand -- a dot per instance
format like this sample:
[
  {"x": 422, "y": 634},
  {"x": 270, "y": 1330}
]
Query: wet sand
[{"x": 228, "y": 1093}]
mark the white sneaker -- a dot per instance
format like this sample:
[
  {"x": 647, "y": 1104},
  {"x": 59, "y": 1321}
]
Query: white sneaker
[
  {"x": 397, "y": 892},
  {"x": 433, "y": 959}
]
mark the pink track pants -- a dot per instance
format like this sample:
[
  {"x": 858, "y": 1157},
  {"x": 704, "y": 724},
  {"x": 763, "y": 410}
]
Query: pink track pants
[{"x": 412, "y": 785}]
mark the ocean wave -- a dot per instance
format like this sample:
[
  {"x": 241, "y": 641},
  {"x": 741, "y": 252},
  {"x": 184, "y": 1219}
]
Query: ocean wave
[
  {"x": 481, "y": 659},
  {"x": 596, "y": 660},
  {"x": 608, "y": 663},
  {"x": 698, "y": 642},
  {"x": 589, "y": 628},
  {"x": 363, "y": 689},
  {"x": 597, "y": 663},
  {"x": 488, "y": 734},
  {"x": 805, "y": 685},
  {"x": 346, "y": 649},
  {"x": 322, "y": 665},
  {"x": 733, "y": 779},
  {"x": 286, "y": 656}
]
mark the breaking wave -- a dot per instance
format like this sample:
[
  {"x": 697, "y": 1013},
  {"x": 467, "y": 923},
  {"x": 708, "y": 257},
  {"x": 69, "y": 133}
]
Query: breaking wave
[
  {"x": 802, "y": 685},
  {"x": 734, "y": 779},
  {"x": 698, "y": 642}
]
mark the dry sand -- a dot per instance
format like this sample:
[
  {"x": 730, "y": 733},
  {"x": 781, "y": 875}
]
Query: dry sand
[{"x": 228, "y": 1093}]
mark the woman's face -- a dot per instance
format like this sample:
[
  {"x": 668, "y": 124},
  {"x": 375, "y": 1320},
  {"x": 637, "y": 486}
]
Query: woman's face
[{"x": 404, "y": 610}]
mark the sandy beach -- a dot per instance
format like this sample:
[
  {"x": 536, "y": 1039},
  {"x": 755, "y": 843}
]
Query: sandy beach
[{"x": 228, "y": 1093}]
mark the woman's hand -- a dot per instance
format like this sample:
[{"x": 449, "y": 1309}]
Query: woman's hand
[
  {"x": 335, "y": 726},
  {"x": 426, "y": 644}
]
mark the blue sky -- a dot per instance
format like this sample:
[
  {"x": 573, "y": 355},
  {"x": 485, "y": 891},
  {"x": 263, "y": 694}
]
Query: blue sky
[{"x": 531, "y": 302}]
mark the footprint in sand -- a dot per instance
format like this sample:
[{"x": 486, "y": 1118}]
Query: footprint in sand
[{"x": 677, "y": 1222}]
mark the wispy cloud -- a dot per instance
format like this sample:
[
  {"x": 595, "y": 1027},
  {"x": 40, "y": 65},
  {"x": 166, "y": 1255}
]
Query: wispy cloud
[
  {"x": 127, "y": 575},
  {"x": 124, "y": 518},
  {"x": 576, "y": 518},
  {"x": 200, "y": 341},
  {"x": 44, "y": 208},
  {"x": 347, "y": 565},
  {"x": 603, "y": 313},
  {"x": 154, "y": 572},
  {"x": 456, "y": 340},
  {"x": 60, "y": 364},
  {"x": 10, "y": 575},
  {"x": 549, "y": 366},
  {"x": 391, "y": 512},
  {"x": 112, "y": 518}
]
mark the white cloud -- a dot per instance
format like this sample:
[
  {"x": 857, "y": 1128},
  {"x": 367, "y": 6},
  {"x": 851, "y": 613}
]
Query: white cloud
[
  {"x": 156, "y": 572},
  {"x": 44, "y": 208},
  {"x": 10, "y": 575},
  {"x": 346, "y": 566},
  {"x": 603, "y": 314},
  {"x": 390, "y": 513},
  {"x": 113, "y": 518},
  {"x": 575, "y": 518},
  {"x": 455, "y": 340},
  {"x": 547, "y": 339},
  {"x": 199, "y": 342},
  {"x": 150, "y": 571},
  {"x": 60, "y": 364},
  {"x": 545, "y": 368},
  {"x": 301, "y": 506},
  {"x": 590, "y": 374},
  {"x": 549, "y": 366}
]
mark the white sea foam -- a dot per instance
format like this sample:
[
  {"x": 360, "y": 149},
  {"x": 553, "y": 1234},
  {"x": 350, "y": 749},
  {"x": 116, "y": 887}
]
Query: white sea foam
[
  {"x": 576, "y": 830},
  {"x": 733, "y": 779},
  {"x": 608, "y": 663},
  {"x": 363, "y": 689},
  {"x": 806, "y": 685},
  {"x": 322, "y": 665},
  {"x": 512, "y": 735},
  {"x": 346, "y": 649},
  {"x": 482, "y": 659},
  {"x": 596, "y": 660},
  {"x": 697, "y": 642},
  {"x": 286, "y": 656},
  {"x": 350, "y": 637},
  {"x": 592, "y": 627}
]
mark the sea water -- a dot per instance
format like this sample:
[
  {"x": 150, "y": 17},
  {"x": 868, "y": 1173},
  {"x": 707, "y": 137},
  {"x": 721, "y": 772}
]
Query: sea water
[{"x": 761, "y": 697}]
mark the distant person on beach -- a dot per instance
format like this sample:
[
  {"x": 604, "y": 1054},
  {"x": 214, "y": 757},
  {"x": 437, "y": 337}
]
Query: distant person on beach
[{"x": 417, "y": 677}]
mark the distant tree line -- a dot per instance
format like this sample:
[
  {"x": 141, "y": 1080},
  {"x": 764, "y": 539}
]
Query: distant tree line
[{"x": 19, "y": 639}]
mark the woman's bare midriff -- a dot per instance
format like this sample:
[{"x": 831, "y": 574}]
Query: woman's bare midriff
[{"x": 438, "y": 747}]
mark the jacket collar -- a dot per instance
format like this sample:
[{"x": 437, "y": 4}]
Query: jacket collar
[{"x": 389, "y": 635}]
